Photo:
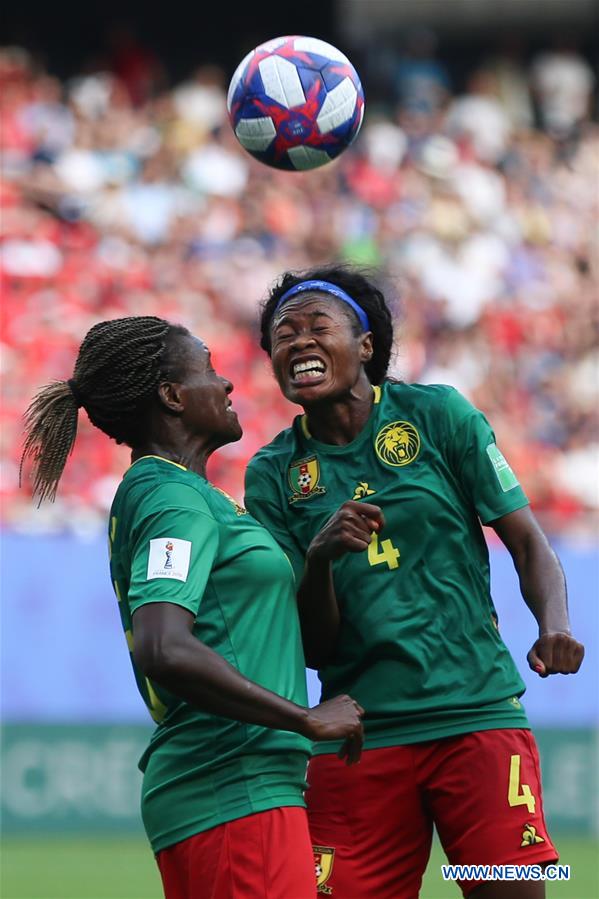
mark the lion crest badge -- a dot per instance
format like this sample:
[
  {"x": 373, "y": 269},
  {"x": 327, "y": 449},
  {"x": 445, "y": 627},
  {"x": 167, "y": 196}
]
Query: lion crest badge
[{"x": 397, "y": 443}]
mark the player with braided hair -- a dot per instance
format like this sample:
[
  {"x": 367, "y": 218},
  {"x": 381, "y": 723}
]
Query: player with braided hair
[
  {"x": 117, "y": 371},
  {"x": 377, "y": 493},
  {"x": 207, "y": 600}
]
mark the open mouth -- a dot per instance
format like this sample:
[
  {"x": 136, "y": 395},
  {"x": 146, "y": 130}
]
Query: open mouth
[{"x": 307, "y": 371}]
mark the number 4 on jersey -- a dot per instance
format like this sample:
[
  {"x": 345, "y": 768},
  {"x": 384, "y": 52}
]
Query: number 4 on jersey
[{"x": 385, "y": 552}]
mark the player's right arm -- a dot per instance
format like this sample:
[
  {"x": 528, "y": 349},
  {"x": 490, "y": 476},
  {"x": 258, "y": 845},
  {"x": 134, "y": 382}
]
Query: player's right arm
[
  {"x": 348, "y": 530},
  {"x": 165, "y": 649},
  {"x": 167, "y": 652}
]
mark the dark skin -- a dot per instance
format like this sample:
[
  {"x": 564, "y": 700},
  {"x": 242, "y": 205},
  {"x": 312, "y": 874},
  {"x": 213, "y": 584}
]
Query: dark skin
[
  {"x": 190, "y": 420},
  {"x": 338, "y": 401}
]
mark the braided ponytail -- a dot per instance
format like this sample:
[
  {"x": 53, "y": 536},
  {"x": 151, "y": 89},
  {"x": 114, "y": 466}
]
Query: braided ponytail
[
  {"x": 118, "y": 369},
  {"x": 51, "y": 429}
]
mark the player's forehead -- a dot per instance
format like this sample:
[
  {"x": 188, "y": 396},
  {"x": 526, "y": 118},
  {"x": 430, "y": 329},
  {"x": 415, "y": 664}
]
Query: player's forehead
[
  {"x": 193, "y": 351},
  {"x": 310, "y": 305}
]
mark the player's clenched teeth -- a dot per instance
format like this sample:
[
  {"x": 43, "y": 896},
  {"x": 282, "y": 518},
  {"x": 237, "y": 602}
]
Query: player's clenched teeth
[{"x": 306, "y": 371}]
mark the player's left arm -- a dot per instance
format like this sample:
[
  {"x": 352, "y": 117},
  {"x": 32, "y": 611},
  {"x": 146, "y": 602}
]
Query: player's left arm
[
  {"x": 543, "y": 587},
  {"x": 495, "y": 492}
]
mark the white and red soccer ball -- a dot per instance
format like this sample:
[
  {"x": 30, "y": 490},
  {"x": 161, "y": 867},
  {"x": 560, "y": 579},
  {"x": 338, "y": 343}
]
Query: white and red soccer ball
[{"x": 295, "y": 103}]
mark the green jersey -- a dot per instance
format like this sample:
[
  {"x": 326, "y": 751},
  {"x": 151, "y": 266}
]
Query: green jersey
[
  {"x": 419, "y": 646},
  {"x": 176, "y": 538}
]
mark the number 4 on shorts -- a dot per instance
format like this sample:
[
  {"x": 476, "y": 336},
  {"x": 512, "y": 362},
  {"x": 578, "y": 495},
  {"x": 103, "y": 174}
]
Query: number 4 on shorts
[{"x": 517, "y": 793}]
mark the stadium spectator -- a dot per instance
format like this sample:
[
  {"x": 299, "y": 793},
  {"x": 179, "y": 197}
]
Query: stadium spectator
[
  {"x": 421, "y": 81},
  {"x": 562, "y": 82}
]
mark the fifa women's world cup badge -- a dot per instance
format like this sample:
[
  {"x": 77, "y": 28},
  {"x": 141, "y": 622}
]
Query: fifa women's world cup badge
[
  {"x": 303, "y": 477},
  {"x": 398, "y": 443},
  {"x": 168, "y": 557}
]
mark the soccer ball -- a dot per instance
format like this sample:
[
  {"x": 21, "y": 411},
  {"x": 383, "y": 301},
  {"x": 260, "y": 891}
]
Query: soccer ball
[{"x": 295, "y": 103}]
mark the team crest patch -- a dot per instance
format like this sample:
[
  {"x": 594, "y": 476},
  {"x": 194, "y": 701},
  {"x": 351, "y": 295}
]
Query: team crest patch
[
  {"x": 303, "y": 477},
  {"x": 530, "y": 836},
  {"x": 398, "y": 443},
  {"x": 324, "y": 857}
]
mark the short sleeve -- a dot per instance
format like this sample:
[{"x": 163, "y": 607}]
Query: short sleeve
[
  {"x": 262, "y": 502},
  {"x": 480, "y": 466},
  {"x": 173, "y": 548}
]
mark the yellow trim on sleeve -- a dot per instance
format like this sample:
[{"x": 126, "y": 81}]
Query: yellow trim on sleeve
[{"x": 377, "y": 394}]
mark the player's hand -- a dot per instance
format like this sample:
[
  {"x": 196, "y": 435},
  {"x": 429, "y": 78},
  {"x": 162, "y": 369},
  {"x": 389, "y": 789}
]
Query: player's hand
[
  {"x": 556, "y": 653},
  {"x": 335, "y": 719},
  {"x": 348, "y": 530}
]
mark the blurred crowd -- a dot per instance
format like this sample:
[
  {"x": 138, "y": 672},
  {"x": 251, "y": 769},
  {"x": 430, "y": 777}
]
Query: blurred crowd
[{"x": 122, "y": 195}]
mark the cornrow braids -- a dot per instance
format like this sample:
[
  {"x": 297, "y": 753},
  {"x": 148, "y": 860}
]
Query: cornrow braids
[
  {"x": 362, "y": 290},
  {"x": 119, "y": 366}
]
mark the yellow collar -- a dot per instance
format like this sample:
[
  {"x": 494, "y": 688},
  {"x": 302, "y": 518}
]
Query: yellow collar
[
  {"x": 162, "y": 459},
  {"x": 304, "y": 419}
]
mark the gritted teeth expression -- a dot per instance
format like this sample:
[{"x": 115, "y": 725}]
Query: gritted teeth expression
[
  {"x": 315, "y": 350},
  {"x": 310, "y": 370}
]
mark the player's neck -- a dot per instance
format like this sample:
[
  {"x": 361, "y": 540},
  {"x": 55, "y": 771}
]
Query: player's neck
[
  {"x": 193, "y": 457},
  {"x": 339, "y": 421}
]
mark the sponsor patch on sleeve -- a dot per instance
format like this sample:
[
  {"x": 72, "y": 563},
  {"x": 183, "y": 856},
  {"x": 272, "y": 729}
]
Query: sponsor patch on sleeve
[
  {"x": 506, "y": 477},
  {"x": 169, "y": 558}
]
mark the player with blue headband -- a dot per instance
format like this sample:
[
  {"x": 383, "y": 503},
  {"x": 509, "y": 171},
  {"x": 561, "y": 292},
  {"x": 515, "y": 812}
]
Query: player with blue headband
[
  {"x": 377, "y": 494},
  {"x": 315, "y": 284}
]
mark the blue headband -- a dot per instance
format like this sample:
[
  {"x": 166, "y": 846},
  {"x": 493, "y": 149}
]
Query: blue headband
[{"x": 326, "y": 287}]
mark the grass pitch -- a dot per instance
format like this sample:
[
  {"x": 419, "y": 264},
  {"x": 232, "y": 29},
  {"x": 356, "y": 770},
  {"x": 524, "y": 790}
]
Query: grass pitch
[{"x": 124, "y": 868}]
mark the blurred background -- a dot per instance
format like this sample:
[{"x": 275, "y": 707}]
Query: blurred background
[{"x": 472, "y": 188}]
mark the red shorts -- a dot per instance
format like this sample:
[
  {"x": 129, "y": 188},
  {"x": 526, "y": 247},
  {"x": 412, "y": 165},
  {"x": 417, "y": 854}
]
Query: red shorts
[
  {"x": 263, "y": 856},
  {"x": 371, "y": 823}
]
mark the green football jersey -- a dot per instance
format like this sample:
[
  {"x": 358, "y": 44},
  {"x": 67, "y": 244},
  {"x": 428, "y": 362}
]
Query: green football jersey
[
  {"x": 419, "y": 646},
  {"x": 176, "y": 538}
]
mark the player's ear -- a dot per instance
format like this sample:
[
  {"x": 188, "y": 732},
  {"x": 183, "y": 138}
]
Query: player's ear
[
  {"x": 366, "y": 346},
  {"x": 170, "y": 396}
]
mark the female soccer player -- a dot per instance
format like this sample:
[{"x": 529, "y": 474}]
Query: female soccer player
[
  {"x": 377, "y": 494},
  {"x": 207, "y": 603}
]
